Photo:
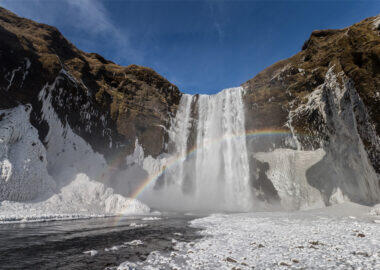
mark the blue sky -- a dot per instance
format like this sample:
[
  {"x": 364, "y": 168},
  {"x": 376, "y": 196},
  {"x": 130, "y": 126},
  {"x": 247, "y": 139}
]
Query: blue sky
[{"x": 201, "y": 46}]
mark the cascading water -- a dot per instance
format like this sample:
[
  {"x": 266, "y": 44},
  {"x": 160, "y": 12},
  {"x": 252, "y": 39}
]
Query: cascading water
[
  {"x": 211, "y": 171},
  {"x": 222, "y": 169}
]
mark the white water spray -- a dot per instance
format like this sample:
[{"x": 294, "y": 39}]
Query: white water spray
[{"x": 216, "y": 175}]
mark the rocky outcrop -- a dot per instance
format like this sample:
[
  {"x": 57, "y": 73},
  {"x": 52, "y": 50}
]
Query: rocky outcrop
[
  {"x": 285, "y": 86},
  {"x": 327, "y": 97},
  {"x": 110, "y": 106}
]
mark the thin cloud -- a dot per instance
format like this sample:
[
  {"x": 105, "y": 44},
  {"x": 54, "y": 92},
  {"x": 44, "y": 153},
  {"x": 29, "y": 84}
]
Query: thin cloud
[
  {"x": 214, "y": 9},
  {"x": 90, "y": 15},
  {"x": 87, "y": 16}
]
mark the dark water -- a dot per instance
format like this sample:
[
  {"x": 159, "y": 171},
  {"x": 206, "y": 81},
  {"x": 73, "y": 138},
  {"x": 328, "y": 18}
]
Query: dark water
[{"x": 60, "y": 244}]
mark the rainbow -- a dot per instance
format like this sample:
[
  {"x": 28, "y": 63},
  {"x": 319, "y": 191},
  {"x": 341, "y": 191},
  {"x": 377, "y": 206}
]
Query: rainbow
[{"x": 173, "y": 161}]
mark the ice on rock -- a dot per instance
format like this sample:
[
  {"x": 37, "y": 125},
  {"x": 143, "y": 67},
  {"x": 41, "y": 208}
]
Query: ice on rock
[
  {"x": 61, "y": 181},
  {"x": 340, "y": 170},
  {"x": 23, "y": 173},
  {"x": 81, "y": 198},
  {"x": 118, "y": 204},
  {"x": 287, "y": 171},
  {"x": 207, "y": 166}
]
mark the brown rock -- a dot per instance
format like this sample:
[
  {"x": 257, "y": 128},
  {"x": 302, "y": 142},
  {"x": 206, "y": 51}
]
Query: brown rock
[
  {"x": 134, "y": 101},
  {"x": 271, "y": 94},
  {"x": 229, "y": 259}
]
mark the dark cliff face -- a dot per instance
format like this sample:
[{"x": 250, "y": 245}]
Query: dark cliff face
[
  {"x": 108, "y": 105},
  {"x": 274, "y": 97},
  {"x": 325, "y": 99}
]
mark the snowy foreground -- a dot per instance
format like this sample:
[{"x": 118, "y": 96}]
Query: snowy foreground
[{"x": 340, "y": 237}]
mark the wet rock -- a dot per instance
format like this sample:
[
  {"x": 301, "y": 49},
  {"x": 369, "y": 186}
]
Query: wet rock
[
  {"x": 229, "y": 259},
  {"x": 315, "y": 243},
  {"x": 361, "y": 253}
]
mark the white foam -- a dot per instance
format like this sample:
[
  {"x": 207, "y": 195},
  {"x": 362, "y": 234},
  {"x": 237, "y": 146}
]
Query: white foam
[
  {"x": 92, "y": 252},
  {"x": 151, "y": 218},
  {"x": 114, "y": 248},
  {"x": 134, "y": 243},
  {"x": 135, "y": 225}
]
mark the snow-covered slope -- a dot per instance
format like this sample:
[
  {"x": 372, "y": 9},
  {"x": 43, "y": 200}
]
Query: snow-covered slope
[{"x": 62, "y": 179}]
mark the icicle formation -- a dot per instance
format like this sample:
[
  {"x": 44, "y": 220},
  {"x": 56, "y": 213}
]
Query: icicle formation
[{"x": 216, "y": 174}]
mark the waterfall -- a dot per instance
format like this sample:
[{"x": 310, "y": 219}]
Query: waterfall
[
  {"x": 179, "y": 134},
  {"x": 212, "y": 169}
]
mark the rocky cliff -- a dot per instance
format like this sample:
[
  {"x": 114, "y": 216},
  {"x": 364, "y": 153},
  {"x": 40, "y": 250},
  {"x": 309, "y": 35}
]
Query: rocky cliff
[
  {"x": 64, "y": 108},
  {"x": 110, "y": 106},
  {"x": 328, "y": 97},
  {"x": 68, "y": 120}
]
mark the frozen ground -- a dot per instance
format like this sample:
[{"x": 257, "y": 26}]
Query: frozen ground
[{"x": 341, "y": 237}]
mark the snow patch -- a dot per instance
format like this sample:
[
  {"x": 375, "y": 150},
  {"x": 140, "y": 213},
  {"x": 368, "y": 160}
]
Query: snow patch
[
  {"x": 376, "y": 22},
  {"x": 297, "y": 240},
  {"x": 375, "y": 211},
  {"x": 118, "y": 204}
]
